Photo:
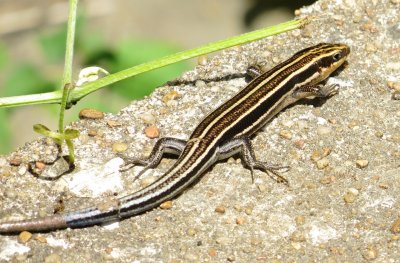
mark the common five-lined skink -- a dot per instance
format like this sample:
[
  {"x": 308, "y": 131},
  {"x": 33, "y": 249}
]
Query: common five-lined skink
[{"x": 222, "y": 133}]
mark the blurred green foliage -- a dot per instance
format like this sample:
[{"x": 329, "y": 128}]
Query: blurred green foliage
[{"x": 90, "y": 50}]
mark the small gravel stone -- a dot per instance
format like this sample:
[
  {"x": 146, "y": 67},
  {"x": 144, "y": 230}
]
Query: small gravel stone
[
  {"x": 319, "y": 154},
  {"x": 296, "y": 245},
  {"x": 262, "y": 188},
  {"x": 220, "y": 209},
  {"x": 396, "y": 95},
  {"x": 349, "y": 198},
  {"x": 41, "y": 239},
  {"x": 370, "y": 253},
  {"x": 148, "y": 118},
  {"x": 92, "y": 132},
  {"x": 299, "y": 144},
  {"x": 396, "y": 227},
  {"x": 113, "y": 124},
  {"x": 191, "y": 232},
  {"x": 22, "y": 170},
  {"x": 248, "y": 210},
  {"x": 354, "y": 191},
  {"x": 298, "y": 236},
  {"x": 40, "y": 165},
  {"x": 240, "y": 221},
  {"x": 212, "y": 252},
  {"x": 173, "y": 95},
  {"x": 91, "y": 114},
  {"x": 53, "y": 258},
  {"x": 362, "y": 163},
  {"x": 16, "y": 161},
  {"x": 285, "y": 134},
  {"x": 152, "y": 132},
  {"x": 119, "y": 147},
  {"x": 24, "y": 236},
  {"x": 300, "y": 220},
  {"x": 166, "y": 205},
  {"x": 147, "y": 181},
  {"x": 202, "y": 60},
  {"x": 323, "y": 163}
]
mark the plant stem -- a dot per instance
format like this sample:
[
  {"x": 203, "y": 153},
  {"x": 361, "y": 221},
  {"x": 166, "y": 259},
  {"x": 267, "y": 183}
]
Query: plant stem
[
  {"x": 80, "y": 92},
  {"x": 69, "y": 55}
]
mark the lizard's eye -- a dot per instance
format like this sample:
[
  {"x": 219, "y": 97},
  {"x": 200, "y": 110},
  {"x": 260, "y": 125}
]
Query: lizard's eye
[{"x": 336, "y": 57}]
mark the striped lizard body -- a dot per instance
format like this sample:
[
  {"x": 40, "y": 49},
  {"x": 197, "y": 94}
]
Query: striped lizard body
[{"x": 224, "y": 132}]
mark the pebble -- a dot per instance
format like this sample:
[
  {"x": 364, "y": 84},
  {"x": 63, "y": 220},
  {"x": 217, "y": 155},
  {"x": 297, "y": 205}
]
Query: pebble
[
  {"x": 24, "y": 237},
  {"x": 166, "y": 205},
  {"x": 202, "y": 60},
  {"x": 396, "y": 95},
  {"x": 298, "y": 236},
  {"x": 327, "y": 179},
  {"x": 323, "y": 163},
  {"x": 299, "y": 143},
  {"x": 370, "y": 253},
  {"x": 248, "y": 210},
  {"x": 40, "y": 165},
  {"x": 173, "y": 95},
  {"x": 52, "y": 258},
  {"x": 22, "y": 170},
  {"x": 191, "y": 232},
  {"x": 296, "y": 245},
  {"x": 395, "y": 2},
  {"x": 285, "y": 134},
  {"x": 147, "y": 181},
  {"x": 349, "y": 197},
  {"x": 220, "y": 209},
  {"x": 300, "y": 220},
  {"x": 152, "y": 132},
  {"x": 16, "y": 161},
  {"x": 41, "y": 239},
  {"x": 148, "y": 118},
  {"x": 21, "y": 258},
  {"x": 91, "y": 114},
  {"x": 212, "y": 252},
  {"x": 393, "y": 85},
  {"x": 396, "y": 226},
  {"x": 302, "y": 124},
  {"x": 319, "y": 154},
  {"x": 112, "y": 123},
  {"x": 354, "y": 191},
  {"x": 362, "y": 163},
  {"x": 202, "y": 84},
  {"x": 92, "y": 132},
  {"x": 240, "y": 221},
  {"x": 119, "y": 147},
  {"x": 262, "y": 188}
]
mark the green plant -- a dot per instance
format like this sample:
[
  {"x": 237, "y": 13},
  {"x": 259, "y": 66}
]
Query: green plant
[{"x": 70, "y": 94}]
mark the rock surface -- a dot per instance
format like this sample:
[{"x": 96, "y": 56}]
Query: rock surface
[{"x": 344, "y": 210}]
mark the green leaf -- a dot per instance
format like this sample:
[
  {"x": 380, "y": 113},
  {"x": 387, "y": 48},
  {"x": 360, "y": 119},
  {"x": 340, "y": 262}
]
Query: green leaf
[
  {"x": 43, "y": 130},
  {"x": 71, "y": 134}
]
